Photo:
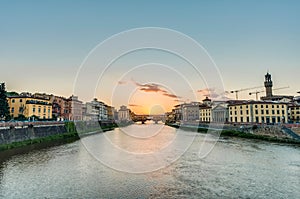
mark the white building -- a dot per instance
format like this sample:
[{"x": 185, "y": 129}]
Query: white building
[
  {"x": 123, "y": 114},
  {"x": 190, "y": 112},
  {"x": 95, "y": 111}
]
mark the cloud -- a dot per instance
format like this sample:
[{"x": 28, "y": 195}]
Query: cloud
[
  {"x": 171, "y": 95},
  {"x": 178, "y": 100},
  {"x": 155, "y": 88},
  {"x": 213, "y": 94},
  {"x": 150, "y": 88},
  {"x": 134, "y": 105},
  {"x": 122, "y": 82},
  {"x": 205, "y": 92}
]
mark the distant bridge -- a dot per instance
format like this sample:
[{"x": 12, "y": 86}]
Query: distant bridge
[{"x": 144, "y": 118}]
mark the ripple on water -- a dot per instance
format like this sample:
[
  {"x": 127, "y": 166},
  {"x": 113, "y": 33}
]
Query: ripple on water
[{"x": 235, "y": 168}]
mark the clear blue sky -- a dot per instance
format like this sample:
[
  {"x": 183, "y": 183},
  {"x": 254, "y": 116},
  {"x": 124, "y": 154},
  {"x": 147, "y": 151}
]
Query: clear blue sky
[{"x": 42, "y": 43}]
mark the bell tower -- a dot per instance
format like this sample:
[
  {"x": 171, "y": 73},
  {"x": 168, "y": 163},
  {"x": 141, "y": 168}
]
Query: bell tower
[{"x": 268, "y": 85}]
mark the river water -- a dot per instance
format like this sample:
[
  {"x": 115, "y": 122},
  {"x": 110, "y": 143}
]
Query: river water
[{"x": 90, "y": 167}]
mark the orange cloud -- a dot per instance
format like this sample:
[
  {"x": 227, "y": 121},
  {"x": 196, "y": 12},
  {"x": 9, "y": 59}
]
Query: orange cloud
[
  {"x": 152, "y": 87},
  {"x": 122, "y": 82},
  {"x": 212, "y": 93}
]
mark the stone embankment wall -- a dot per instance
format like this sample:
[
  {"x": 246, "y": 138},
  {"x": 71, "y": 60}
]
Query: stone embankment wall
[
  {"x": 265, "y": 130},
  {"x": 19, "y": 133},
  {"x": 22, "y": 131},
  {"x": 269, "y": 130},
  {"x": 296, "y": 130}
]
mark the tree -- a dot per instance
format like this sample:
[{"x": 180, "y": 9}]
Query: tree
[
  {"x": 4, "y": 108},
  {"x": 20, "y": 117}
]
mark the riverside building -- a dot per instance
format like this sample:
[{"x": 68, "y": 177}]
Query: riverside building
[
  {"x": 265, "y": 112},
  {"x": 30, "y": 107}
]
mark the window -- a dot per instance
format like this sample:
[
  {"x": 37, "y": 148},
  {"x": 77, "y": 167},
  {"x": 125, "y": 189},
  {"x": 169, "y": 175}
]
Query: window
[
  {"x": 241, "y": 112},
  {"x": 241, "y": 107},
  {"x": 272, "y": 106},
  {"x": 242, "y": 119},
  {"x": 278, "y": 112},
  {"x": 267, "y": 112},
  {"x": 262, "y": 106},
  {"x": 267, "y": 106},
  {"x": 12, "y": 110},
  {"x": 255, "y": 106},
  {"x": 13, "y": 101},
  {"x": 20, "y": 100},
  {"x": 247, "y": 106},
  {"x": 278, "y": 119},
  {"x": 231, "y": 119},
  {"x": 262, "y": 111},
  {"x": 256, "y": 119},
  {"x": 248, "y": 120},
  {"x": 277, "y": 106},
  {"x": 44, "y": 109},
  {"x": 33, "y": 109},
  {"x": 235, "y": 119},
  {"x": 262, "y": 119},
  {"x": 283, "y": 112},
  {"x": 39, "y": 109},
  {"x": 282, "y": 106},
  {"x": 247, "y": 112},
  {"x": 235, "y": 112},
  {"x": 256, "y": 111},
  {"x": 273, "y": 112}
]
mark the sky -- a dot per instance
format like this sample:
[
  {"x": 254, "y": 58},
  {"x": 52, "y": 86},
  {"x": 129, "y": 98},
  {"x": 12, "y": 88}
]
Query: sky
[{"x": 46, "y": 46}]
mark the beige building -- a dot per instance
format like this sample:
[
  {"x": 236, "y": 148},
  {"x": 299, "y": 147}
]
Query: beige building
[
  {"x": 294, "y": 113},
  {"x": 190, "y": 112},
  {"x": 258, "y": 112},
  {"x": 30, "y": 106},
  {"x": 204, "y": 113},
  {"x": 74, "y": 108}
]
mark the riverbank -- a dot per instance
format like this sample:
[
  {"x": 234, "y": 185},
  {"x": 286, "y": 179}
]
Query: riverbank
[
  {"x": 240, "y": 134},
  {"x": 66, "y": 132}
]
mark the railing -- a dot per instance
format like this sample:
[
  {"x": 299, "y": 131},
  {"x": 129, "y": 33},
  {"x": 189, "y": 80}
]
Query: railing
[{"x": 291, "y": 133}]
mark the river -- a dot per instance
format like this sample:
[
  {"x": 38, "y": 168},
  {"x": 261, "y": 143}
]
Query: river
[{"x": 127, "y": 163}]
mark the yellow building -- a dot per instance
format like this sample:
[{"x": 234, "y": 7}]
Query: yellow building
[
  {"x": 294, "y": 113},
  {"x": 204, "y": 113},
  {"x": 258, "y": 112},
  {"x": 29, "y": 106}
]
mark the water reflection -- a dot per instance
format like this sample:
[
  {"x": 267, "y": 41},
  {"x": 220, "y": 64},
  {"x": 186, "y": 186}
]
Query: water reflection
[
  {"x": 235, "y": 168},
  {"x": 118, "y": 150}
]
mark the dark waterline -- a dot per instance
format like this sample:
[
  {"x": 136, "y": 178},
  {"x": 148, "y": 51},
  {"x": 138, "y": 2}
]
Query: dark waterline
[{"x": 235, "y": 168}]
